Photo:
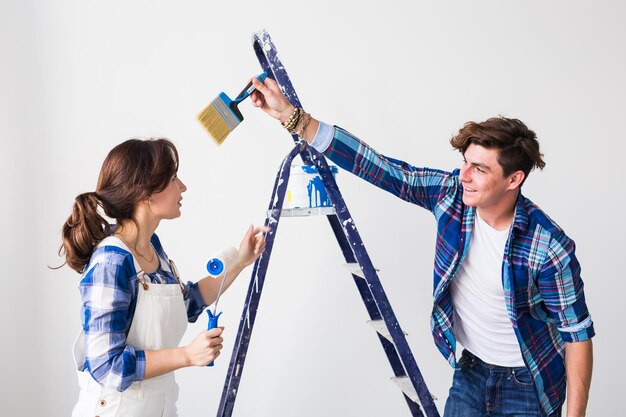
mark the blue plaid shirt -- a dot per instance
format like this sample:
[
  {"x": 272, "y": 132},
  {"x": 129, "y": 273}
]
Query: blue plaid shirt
[
  {"x": 540, "y": 273},
  {"x": 108, "y": 289}
]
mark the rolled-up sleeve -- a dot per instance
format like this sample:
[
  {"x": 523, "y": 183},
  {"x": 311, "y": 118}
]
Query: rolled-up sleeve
[
  {"x": 194, "y": 302},
  {"x": 323, "y": 137},
  {"x": 107, "y": 291},
  {"x": 562, "y": 291}
]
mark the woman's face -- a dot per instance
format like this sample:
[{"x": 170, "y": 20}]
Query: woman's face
[{"x": 167, "y": 203}]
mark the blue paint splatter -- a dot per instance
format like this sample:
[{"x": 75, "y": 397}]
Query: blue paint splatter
[
  {"x": 318, "y": 197},
  {"x": 316, "y": 192}
]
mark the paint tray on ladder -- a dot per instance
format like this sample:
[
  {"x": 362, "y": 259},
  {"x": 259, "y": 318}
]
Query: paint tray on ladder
[{"x": 306, "y": 194}]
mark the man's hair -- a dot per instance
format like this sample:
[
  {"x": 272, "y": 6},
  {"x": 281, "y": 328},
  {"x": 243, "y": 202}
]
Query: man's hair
[{"x": 517, "y": 145}]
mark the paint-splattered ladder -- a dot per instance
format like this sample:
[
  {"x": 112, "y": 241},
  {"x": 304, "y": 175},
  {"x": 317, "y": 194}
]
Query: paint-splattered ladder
[{"x": 382, "y": 318}]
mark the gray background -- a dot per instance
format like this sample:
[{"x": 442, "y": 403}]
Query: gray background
[{"x": 79, "y": 77}]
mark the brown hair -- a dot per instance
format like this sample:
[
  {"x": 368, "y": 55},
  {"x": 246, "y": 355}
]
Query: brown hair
[
  {"x": 132, "y": 171},
  {"x": 517, "y": 145}
]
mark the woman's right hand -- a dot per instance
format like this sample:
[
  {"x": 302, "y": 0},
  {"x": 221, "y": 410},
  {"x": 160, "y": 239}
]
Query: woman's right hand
[
  {"x": 271, "y": 100},
  {"x": 205, "y": 347}
]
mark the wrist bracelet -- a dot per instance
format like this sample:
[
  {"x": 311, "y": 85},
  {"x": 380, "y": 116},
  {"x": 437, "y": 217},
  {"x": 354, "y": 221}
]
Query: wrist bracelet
[
  {"x": 293, "y": 120},
  {"x": 306, "y": 118}
]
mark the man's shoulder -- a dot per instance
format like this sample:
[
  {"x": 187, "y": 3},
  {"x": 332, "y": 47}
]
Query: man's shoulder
[{"x": 538, "y": 219}]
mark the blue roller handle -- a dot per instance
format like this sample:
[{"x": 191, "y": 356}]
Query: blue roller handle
[
  {"x": 215, "y": 267},
  {"x": 212, "y": 323}
]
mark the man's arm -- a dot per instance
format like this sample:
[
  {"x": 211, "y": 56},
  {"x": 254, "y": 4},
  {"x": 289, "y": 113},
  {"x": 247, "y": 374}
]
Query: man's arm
[
  {"x": 562, "y": 292},
  {"x": 424, "y": 187},
  {"x": 578, "y": 365}
]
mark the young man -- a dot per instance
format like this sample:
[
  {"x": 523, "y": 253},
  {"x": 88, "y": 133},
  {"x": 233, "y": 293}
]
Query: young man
[{"x": 507, "y": 284}]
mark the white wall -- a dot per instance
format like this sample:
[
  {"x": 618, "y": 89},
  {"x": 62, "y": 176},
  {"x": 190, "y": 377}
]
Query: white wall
[{"x": 79, "y": 77}]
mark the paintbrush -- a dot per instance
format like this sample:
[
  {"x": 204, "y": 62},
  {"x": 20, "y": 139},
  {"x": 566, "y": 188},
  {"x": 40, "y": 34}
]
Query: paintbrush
[{"x": 222, "y": 116}]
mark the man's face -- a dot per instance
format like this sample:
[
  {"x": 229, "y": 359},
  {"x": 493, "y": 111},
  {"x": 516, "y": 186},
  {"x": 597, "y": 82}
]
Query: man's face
[{"x": 484, "y": 184}]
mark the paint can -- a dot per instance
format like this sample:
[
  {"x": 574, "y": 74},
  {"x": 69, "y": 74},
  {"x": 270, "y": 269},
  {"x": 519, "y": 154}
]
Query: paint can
[{"x": 305, "y": 188}]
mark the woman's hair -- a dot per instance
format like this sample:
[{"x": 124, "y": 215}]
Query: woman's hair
[
  {"x": 517, "y": 145},
  {"x": 131, "y": 172}
]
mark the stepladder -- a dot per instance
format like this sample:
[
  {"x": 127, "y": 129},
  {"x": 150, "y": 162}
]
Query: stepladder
[{"x": 382, "y": 318}]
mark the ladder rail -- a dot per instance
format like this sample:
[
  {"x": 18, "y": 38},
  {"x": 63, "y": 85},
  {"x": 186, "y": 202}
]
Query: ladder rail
[
  {"x": 257, "y": 279},
  {"x": 372, "y": 311},
  {"x": 270, "y": 62},
  {"x": 374, "y": 284},
  {"x": 398, "y": 352}
]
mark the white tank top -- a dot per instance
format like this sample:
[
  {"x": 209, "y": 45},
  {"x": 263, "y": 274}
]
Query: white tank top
[{"x": 481, "y": 321}]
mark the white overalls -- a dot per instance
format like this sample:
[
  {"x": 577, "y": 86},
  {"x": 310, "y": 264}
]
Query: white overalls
[{"x": 159, "y": 322}]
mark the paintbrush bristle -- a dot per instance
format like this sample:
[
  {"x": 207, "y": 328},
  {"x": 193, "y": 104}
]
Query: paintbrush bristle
[
  {"x": 214, "y": 124},
  {"x": 218, "y": 119}
]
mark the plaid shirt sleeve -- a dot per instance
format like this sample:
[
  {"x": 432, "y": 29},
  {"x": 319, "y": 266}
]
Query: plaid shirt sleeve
[
  {"x": 561, "y": 289},
  {"x": 194, "y": 302},
  {"x": 107, "y": 290},
  {"x": 422, "y": 186}
]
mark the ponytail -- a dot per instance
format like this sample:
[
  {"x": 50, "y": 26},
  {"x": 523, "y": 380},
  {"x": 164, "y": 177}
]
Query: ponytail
[
  {"x": 132, "y": 171},
  {"x": 82, "y": 231}
]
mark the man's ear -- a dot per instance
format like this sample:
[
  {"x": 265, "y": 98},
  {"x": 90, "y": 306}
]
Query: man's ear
[{"x": 516, "y": 179}]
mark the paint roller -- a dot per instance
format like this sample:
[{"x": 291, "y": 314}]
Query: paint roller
[{"x": 217, "y": 266}]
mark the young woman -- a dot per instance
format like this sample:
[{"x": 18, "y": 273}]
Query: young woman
[{"x": 135, "y": 309}]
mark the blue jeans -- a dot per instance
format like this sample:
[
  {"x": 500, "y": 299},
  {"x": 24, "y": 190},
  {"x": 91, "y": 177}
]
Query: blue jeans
[{"x": 480, "y": 389}]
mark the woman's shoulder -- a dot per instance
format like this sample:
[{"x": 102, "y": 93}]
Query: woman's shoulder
[
  {"x": 111, "y": 251},
  {"x": 110, "y": 266}
]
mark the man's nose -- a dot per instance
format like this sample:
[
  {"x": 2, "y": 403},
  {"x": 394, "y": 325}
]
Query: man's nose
[{"x": 464, "y": 174}]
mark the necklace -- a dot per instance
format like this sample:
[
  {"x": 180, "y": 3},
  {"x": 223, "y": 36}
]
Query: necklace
[
  {"x": 137, "y": 252},
  {"x": 144, "y": 257}
]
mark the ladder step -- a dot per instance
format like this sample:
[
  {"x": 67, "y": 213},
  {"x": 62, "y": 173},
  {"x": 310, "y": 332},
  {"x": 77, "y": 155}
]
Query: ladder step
[
  {"x": 355, "y": 269},
  {"x": 303, "y": 212},
  {"x": 381, "y": 328},
  {"x": 404, "y": 383}
]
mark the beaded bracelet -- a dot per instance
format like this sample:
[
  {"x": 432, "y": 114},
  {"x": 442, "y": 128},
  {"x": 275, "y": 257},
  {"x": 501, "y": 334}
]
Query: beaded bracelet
[
  {"x": 293, "y": 120},
  {"x": 306, "y": 118},
  {"x": 296, "y": 121}
]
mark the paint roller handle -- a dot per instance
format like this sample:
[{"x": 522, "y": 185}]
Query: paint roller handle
[
  {"x": 215, "y": 267},
  {"x": 212, "y": 323},
  {"x": 248, "y": 89}
]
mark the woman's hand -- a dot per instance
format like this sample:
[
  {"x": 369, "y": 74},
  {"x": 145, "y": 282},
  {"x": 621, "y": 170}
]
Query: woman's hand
[
  {"x": 205, "y": 347},
  {"x": 252, "y": 245},
  {"x": 271, "y": 100}
]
